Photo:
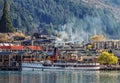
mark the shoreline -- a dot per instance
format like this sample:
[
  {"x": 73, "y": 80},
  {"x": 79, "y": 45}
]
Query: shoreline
[{"x": 110, "y": 67}]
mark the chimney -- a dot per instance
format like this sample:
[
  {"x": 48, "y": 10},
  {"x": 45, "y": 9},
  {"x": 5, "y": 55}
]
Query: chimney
[{"x": 55, "y": 53}]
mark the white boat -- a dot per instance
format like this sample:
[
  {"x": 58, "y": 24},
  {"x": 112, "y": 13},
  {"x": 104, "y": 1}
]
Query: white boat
[{"x": 59, "y": 66}]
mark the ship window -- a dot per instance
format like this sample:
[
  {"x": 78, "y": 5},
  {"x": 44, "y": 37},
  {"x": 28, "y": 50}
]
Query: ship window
[
  {"x": 85, "y": 59},
  {"x": 0, "y": 58}
]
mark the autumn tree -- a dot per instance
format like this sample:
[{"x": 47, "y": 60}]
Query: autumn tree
[
  {"x": 107, "y": 58},
  {"x": 5, "y": 22}
]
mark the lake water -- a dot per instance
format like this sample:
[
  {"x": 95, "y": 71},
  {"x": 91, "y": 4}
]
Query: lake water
[{"x": 60, "y": 77}]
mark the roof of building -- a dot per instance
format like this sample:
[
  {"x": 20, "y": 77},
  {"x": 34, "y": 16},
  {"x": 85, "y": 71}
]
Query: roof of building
[
  {"x": 21, "y": 47},
  {"x": 16, "y": 47},
  {"x": 43, "y": 41},
  {"x": 50, "y": 53},
  {"x": 5, "y": 53},
  {"x": 38, "y": 41},
  {"x": 20, "y": 53},
  {"x": 35, "y": 47}
]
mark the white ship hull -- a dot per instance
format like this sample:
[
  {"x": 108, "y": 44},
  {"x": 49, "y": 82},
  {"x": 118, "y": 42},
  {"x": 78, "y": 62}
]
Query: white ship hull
[{"x": 39, "y": 66}]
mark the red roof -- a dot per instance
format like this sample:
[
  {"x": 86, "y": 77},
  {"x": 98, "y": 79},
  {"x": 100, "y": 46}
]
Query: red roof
[
  {"x": 21, "y": 47},
  {"x": 16, "y": 48},
  {"x": 35, "y": 47}
]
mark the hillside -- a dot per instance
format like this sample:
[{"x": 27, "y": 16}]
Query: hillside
[{"x": 73, "y": 19}]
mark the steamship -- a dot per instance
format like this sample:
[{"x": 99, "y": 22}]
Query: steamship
[
  {"x": 48, "y": 65},
  {"x": 55, "y": 63}
]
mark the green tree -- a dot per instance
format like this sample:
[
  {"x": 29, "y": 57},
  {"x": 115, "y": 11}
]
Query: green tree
[
  {"x": 5, "y": 22},
  {"x": 107, "y": 58}
]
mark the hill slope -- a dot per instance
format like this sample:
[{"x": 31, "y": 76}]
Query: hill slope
[{"x": 75, "y": 19}]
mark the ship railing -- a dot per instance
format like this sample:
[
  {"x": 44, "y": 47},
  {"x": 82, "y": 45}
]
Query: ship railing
[{"x": 76, "y": 63}]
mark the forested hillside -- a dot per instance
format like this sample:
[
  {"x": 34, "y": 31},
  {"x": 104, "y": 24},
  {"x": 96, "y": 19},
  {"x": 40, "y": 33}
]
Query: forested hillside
[{"x": 73, "y": 18}]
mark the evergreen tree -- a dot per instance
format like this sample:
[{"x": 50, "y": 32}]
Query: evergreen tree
[{"x": 5, "y": 22}]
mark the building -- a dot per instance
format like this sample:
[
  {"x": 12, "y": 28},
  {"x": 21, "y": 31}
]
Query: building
[
  {"x": 108, "y": 44},
  {"x": 9, "y": 60},
  {"x": 18, "y": 47}
]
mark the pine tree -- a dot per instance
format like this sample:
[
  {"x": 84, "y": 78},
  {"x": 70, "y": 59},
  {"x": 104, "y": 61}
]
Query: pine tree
[{"x": 5, "y": 22}]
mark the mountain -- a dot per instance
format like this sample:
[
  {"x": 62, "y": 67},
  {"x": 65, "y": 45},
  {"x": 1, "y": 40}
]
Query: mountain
[{"x": 72, "y": 19}]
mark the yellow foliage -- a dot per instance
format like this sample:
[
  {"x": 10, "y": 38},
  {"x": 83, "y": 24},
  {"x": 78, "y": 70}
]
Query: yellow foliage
[
  {"x": 96, "y": 38},
  {"x": 4, "y": 38},
  {"x": 107, "y": 58},
  {"x": 89, "y": 46},
  {"x": 20, "y": 34}
]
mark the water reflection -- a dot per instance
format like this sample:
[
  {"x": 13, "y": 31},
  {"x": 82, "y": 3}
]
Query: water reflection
[
  {"x": 10, "y": 77},
  {"x": 60, "y": 77},
  {"x": 109, "y": 77}
]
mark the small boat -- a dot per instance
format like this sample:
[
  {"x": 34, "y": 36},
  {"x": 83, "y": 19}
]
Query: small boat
[{"x": 48, "y": 65}]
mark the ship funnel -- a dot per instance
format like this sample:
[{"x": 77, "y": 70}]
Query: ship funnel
[{"x": 55, "y": 53}]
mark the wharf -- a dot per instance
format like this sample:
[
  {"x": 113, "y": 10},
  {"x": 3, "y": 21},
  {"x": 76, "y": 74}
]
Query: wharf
[
  {"x": 10, "y": 68},
  {"x": 110, "y": 68},
  {"x": 18, "y": 68}
]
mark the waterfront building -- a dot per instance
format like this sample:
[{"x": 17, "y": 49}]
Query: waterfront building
[
  {"x": 17, "y": 47},
  {"x": 5, "y": 58},
  {"x": 11, "y": 60},
  {"x": 108, "y": 44}
]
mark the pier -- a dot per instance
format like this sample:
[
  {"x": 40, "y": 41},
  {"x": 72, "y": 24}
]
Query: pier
[
  {"x": 10, "y": 68},
  {"x": 110, "y": 67}
]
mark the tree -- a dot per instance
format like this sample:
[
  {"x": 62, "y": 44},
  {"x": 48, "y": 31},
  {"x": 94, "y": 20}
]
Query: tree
[
  {"x": 107, "y": 58},
  {"x": 5, "y": 22}
]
